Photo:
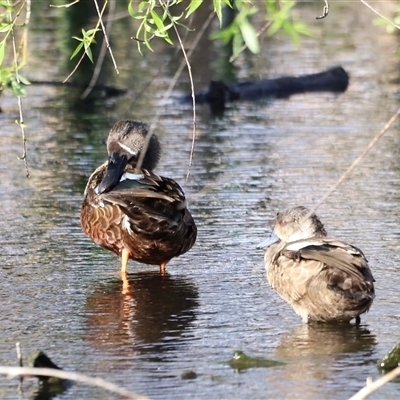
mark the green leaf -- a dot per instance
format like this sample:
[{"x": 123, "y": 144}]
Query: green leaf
[
  {"x": 218, "y": 9},
  {"x": 131, "y": 11},
  {"x": 275, "y": 27},
  {"x": 237, "y": 43},
  {"x": 168, "y": 40},
  {"x": 77, "y": 50},
  {"x": 157, "y": 20},
  {"x": 143, "y": 4},
  {"x": 23, "y": 80},
  {"x": 88, "y": 52},
  {"x": 91, "y": 32},
  {"x": 2, "y": 50},
  {"x": 193, "y": 6},
  {"x": 5, "y": 27},
  {"x": 249, "y": 36},
  {"x": 16, "y": 88}
]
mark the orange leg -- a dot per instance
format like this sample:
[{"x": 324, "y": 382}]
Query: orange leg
[
  {"x": 162, "y": 268},
  {"x": 124, "y": 260}
]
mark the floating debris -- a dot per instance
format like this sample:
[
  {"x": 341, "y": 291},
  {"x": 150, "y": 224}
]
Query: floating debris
[
  {"x": 188, "y": 375},
  {"x": 241, "y": 361},
  {"x": 391, "y": 360}
]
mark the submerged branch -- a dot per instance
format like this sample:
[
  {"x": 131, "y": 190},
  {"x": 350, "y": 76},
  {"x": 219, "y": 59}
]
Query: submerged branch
[{"x": 13, "y": 372}]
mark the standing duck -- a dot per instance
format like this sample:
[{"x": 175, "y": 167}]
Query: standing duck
[
  {"x": 133, "y": 212},
  {"x": 322, "y": 278}
]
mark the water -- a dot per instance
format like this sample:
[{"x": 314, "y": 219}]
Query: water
[{"x": 62, "y": 294}]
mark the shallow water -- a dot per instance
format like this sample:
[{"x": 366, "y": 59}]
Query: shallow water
[{"x": 62, "y": 294}]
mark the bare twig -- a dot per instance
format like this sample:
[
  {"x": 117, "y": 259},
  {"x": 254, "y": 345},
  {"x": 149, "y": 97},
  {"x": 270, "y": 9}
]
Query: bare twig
[
  {"x": 19, "y": 354},
  {"x": 104, "y": 46},
  {"x": 170, "y": 88},
  {"x": 193, "y": 101},
  {"x": 75, "y": 68},
  {"x": 325, "y": 12},
  {"x": 378, "y": 13},
  {"x": 13, "y": 372},
  {"x": 357, "y": 160},
  {"x": 21, "y": 364},
  {"x": 65, "y": 5},
  {"x": 104, "y": 29},
  {"x": 372, "y": 386},
  {"x": 21, "y": 116}
]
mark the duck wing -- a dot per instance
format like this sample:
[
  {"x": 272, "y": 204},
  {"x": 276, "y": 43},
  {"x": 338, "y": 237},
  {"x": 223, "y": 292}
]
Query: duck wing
[
  {"x": 344, "y": 267},
  {"x": 153, "y": 205}
]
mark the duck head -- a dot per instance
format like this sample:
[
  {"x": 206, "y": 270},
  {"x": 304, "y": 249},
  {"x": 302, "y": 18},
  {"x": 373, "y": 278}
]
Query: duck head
[
  {"x": 298, "y": 223},
  {"x": 294, "y": 224},
  {"x": 125, "y": 142}
]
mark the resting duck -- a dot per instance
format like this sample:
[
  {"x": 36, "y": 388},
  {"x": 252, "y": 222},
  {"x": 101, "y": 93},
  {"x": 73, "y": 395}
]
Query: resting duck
[
  {"x": 133, "y": 212},
  {"x": 322, "y": 278}
]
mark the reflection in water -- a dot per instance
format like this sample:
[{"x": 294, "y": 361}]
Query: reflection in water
[
  {"x": 146, "y": 314},
  {"x": 51, "y": 390},
  {"x": 325, "y": 339},
  {"x": 317, "y": 351}
]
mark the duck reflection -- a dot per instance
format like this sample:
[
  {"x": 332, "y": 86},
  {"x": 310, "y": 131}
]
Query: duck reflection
[
  {"x": 324, "y": 339},
  {"x": 146, "y": 314},
  {"x": 314, "y": 351}
]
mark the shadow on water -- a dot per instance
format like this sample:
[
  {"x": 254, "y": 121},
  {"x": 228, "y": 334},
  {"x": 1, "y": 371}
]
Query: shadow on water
[{"x": 147, "y": 316}]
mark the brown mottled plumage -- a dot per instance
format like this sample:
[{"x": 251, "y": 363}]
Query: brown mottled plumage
[
  {"x": 322, "y": 278},
  {"x": 135, "y": 213}
]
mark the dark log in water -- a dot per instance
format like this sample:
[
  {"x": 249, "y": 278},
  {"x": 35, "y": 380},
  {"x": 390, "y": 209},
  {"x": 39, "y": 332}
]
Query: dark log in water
[{"x": 219, "y": 93}]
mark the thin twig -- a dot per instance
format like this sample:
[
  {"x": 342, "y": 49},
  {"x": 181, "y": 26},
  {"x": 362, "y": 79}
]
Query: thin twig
[
  {"x": 21, "y": 364},
  {"x": 375, "y": 385},
  {"x": 75, "y": 68},
  {"x": 357, "y": 160},
  {"x": 21, "y": 116},
  {"x": 378, "y": 13},
  {"x": 325, "y": 12},
  {"x": 19, "y": 354},
  {"x": 13, "y": 372},
  {"x": 189, "y": 68},
  {"x": 104, "y": 46},
  {"x": 105, "y": 33},
  {"x": 170, "y": 88},
  {"x": 65, "y": 5}
]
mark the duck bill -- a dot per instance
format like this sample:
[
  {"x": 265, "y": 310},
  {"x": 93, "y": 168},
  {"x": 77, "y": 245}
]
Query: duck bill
[
  {"x": 267, "y": 242},
  {"x": 115, "y": 169}
]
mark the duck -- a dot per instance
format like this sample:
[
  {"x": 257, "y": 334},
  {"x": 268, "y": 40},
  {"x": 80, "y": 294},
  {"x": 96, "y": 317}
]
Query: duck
[
  {"x": 130, "y": 210},
  {"x": 324, "y": 279}
]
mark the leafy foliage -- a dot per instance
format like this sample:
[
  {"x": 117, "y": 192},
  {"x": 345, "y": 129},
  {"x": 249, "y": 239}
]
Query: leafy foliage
[
  {"x": 156, "y": 19},
  {"x": 88, "y": 37},
  {"x": 10, "y": 77}
]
